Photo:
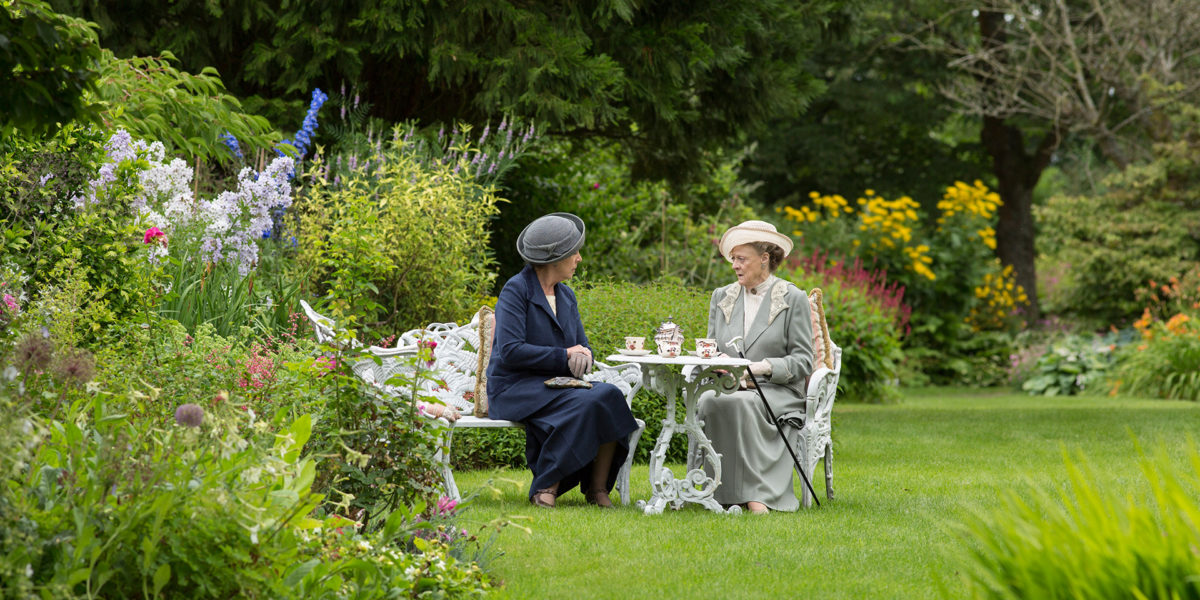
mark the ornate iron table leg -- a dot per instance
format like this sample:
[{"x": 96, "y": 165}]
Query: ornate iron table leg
[{"x": 696, "y": 486}]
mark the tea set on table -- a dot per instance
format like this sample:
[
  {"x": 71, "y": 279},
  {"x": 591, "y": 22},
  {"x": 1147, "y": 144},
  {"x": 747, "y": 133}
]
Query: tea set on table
[{"x": 668, "y": 341}]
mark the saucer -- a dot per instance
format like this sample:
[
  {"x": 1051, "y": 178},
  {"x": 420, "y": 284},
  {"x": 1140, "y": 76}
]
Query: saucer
[
  {"x": 697, "y": 354},
  {"x": 633, "y": 352}
]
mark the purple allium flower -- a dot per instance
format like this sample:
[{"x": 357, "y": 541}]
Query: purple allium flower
[
  {"x": 75, "y": 367},
  {"x": 189, "y": 415},
  {"x": 32, "y": 353}
]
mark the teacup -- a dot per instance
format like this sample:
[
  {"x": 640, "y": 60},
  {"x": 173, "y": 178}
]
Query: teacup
[
  {"x": 635, "y": 343},
  {"x": 668, "y": 349},
  {"x": 706, "y": 347}
]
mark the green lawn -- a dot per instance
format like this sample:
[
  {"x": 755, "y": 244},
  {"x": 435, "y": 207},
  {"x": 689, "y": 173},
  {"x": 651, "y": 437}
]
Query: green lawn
[{"x": 902, "y": 473}]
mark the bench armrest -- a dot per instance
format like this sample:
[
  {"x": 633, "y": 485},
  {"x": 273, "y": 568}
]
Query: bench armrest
[{"x": 626, "y": 376}]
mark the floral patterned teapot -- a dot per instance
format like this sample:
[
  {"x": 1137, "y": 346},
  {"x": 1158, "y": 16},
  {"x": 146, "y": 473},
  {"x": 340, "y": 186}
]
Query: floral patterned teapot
[{"x": 669, "y": 338}]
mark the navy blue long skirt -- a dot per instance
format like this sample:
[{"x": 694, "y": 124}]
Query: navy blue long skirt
[{"x": 561, "y": 439}]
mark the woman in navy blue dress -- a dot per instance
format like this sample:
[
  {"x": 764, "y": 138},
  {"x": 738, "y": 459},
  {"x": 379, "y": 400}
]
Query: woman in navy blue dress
[{"x": 573, "y": 436}]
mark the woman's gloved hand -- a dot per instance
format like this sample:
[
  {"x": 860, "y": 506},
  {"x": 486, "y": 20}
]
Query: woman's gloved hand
[
  {"x": 579, "y": 361},
  {"x": 761, "y": 367}
]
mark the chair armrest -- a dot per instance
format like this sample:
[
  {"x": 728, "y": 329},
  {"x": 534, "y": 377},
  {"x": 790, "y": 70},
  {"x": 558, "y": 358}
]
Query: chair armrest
[
  {"x": 822, "y": 389},
  {"x": 626, "y": 376},
  {"x": 392, "y": 352}
]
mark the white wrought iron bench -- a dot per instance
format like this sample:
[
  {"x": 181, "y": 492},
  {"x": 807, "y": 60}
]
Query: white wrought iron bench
[{"x": 455, "y": 361}]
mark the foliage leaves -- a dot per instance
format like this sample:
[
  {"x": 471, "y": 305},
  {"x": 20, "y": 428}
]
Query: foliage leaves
[
  {"x": 1087, "y": 540},
  {"x": 47, "y": 64},
  {"x": 154, "y": 100},
  {"x": 401, "y": 246},
  {"x": 668, "y": 80}
]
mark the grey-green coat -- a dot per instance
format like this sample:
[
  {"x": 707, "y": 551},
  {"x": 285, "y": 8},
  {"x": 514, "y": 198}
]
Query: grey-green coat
[{"x": 755, "y": 464}]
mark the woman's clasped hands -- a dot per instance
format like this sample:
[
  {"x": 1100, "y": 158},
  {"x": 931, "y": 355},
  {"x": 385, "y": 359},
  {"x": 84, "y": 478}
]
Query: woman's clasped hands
[{"x": 579, "y": 361}]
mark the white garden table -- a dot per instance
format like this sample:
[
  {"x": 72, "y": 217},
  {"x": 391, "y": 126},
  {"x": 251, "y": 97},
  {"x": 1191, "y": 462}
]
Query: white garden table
[{"x": 669, "y": 377}]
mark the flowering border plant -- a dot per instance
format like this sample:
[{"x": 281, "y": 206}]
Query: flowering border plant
[{"x": 159, "y": 192}]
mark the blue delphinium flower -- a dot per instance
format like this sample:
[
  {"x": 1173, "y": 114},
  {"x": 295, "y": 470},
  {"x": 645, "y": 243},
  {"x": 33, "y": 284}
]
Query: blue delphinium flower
[
  {"x": 232, "y": 143},
  {"x": 309, "y": 126}
]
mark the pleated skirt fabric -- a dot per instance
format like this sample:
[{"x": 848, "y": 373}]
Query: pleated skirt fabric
[
  {"x": 755, "y": 464},
  {"x": 562, "y": 438}
]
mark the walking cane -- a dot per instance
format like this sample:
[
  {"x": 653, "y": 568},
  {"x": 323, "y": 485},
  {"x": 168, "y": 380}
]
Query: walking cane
[{"x": 734, "y": 343}]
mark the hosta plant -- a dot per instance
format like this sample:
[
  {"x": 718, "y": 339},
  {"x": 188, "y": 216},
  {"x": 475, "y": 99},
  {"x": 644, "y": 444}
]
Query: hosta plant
[{"x": 1070, "y": 366}]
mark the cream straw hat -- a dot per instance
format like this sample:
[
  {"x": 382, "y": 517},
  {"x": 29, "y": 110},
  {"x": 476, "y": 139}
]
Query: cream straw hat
[{"x": 753, "y": 231}]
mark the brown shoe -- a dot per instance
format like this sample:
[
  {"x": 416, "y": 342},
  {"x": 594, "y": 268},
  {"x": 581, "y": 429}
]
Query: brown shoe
[
  {"x": 544, "y": 498},
  {"x": 599, "y": 498}
]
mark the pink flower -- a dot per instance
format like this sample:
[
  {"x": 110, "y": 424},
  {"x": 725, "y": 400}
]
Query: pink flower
[
  {"x": 446, "y": 506},
  {"x": 154, "y": 234},
  {"x": 595, "y": 186},
  {"x": 11, "y": 303},
  {"x": 328, "y": 363},
  {"x": 425, "y": 351}
]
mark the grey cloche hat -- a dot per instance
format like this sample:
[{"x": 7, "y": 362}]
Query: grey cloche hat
[{"x": 551, "y": 238}]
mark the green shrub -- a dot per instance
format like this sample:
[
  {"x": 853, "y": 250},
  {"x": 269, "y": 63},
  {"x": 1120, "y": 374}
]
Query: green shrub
[
  {"x": 865, "y": 321},
  {"x": 612, "y": 310},
  {"x": 152, "y": 99},
  {"x": 488, "y": 448},
  {"x": 944, "y": 262},
  {"x": 1166, "y": 362},
  {"x": 398, "y": 247},
  {"x": 638, "y": 231},
  {"x": 377, "y": 454},
  {"x": 1071, "y": 365},
  {"x": 1140, "y": 239},
  {"x": 1090, "y": 540},
  {"x": 38, "y": 176},
  {"x": 112, "y": 501},
  {"x": 48, "y": 69},
  {"x": 1148, "y": 232}
]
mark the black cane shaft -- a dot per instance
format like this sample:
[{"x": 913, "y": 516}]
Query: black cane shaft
[{"x": 782, "y": 435}]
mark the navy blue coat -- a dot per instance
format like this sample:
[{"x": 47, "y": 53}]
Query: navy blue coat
[{"x": 530, "y": 345}]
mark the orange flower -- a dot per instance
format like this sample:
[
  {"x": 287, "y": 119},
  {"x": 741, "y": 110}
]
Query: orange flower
[{"x": 1176, "y": 324}]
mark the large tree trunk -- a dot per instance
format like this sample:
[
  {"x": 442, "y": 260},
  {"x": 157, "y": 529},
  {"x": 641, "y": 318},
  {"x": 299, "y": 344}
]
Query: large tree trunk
[{"x": 1017, "y": 173}]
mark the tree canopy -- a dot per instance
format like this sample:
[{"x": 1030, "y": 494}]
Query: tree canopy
[
  {"x": 47, "y": 63},
  {"x": 881, "y": 123},
  {"x": 670, "y": 80}
]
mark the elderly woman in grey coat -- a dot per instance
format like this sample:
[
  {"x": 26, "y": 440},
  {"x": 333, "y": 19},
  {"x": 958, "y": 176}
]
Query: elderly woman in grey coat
[{"x": 773, "y": 318}]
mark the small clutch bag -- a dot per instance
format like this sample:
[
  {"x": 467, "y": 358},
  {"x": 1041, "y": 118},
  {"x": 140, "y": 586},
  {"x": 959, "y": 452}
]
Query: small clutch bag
[{"x": 567, "y": 382}]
